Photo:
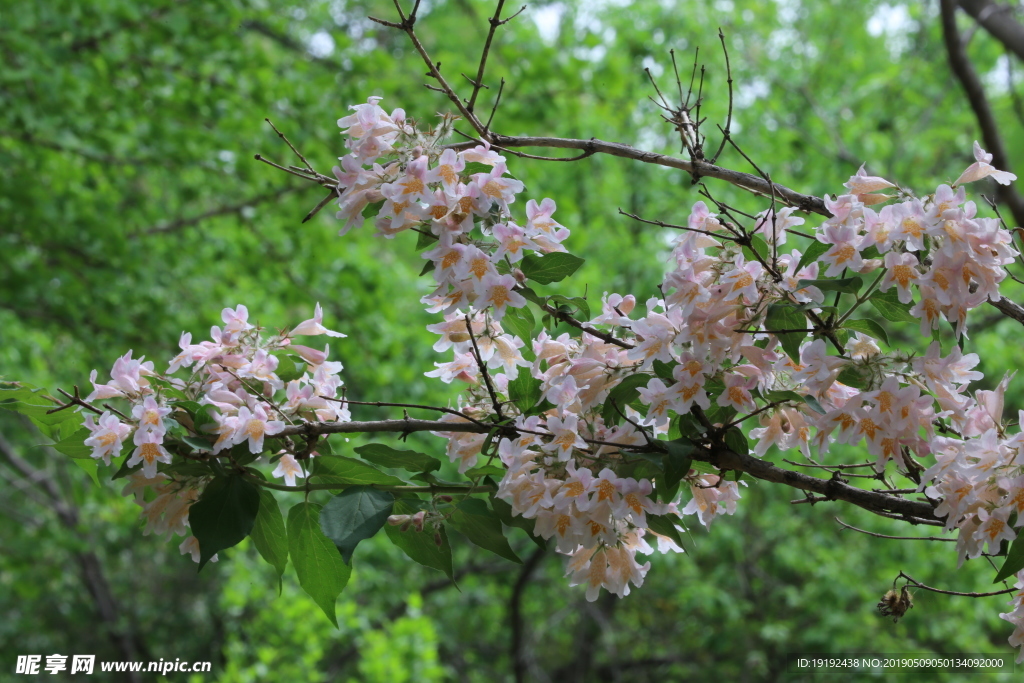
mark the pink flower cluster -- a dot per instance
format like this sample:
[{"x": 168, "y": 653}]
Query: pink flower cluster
[{"x": 234, "y": 380}]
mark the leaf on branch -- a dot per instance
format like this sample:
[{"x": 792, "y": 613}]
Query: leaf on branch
[
  {"x": 485, "y": 471},
  {"x": 74, "y": 445},
  {"x": 426, "y": 239},
  {"x": 783, "y": 317},
  {"x": 503, "y": 510},
  {"x": 849, "y": 285},
  {"x": 664, "y": 370},
  {"x": 1014, "y": 560},
  {"x": 736, "y": 441},
  {"x": 268, "y": 534},
  {"x": 355, "y": 514},
  {"x": 811, "y": 255},
  {"x": 223, "y": 515},
  {"x": 576, "y": 302},
  {"x": 318, "y": 564},
  {"x": 474, "y": 520},
  {"x": 420, "y": 545},
  {"x": 665, "y": 525},
  {"x": 336, "y": 469},
  {"x": 386, "y": 456},
  {"x": 677, "y": 462},
  {"x": 289, "y": 366},
  {"x": 551, "y": 267},
  {"x": 868, "y": 327},
  {"x": 891, "y": 308},
  {"x": 520, "y": 322},
  {"x": 524, "y": 391},
  {"x": 758, "y": 245},
  {"x": 624, "y": 393}
]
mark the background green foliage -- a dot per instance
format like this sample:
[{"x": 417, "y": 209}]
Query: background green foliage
[{"x": 132, "y": 209}]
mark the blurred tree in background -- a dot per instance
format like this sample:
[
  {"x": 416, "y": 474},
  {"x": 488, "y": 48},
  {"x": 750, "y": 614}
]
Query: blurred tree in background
[{"x": 131, "y": 209}]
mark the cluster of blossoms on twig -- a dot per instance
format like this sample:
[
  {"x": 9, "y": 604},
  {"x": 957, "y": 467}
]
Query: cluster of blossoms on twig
[
  {"x": 244, "y": 386},
  {"x": 595, "y": 433},
  {"x": 717, "y": 339}
]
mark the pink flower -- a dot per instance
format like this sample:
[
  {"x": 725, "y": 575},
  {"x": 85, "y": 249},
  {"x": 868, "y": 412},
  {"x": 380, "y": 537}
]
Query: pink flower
[
  {"x": 498, "y": 291},
  {"x": 150, "y": 416},
  {"x": 107, "y": 437},
  {"x": 902, "y": 271},
  {"x": 237, "y": 320},
  {"x": 254, "y": 425},
  {"x": 982, "y": 168},
  {"x": 289, "y": 468},
  {"x": 149, "y": 452},
  {"x": 314, "y": 326}
]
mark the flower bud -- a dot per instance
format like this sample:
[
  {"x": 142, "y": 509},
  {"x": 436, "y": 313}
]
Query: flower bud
[
  {"x": 395, "y": 520},
  {"x": 418, "y": 520}
]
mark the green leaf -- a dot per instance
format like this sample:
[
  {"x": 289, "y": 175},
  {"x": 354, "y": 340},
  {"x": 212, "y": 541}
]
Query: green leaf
[
  {"x": 420, "y": 545},
  {"x": 47, "y": 422},
  {"x": 426, "y": 239},
  {"x": 503, "y": 511},
  {"x": 336, "y": 469},
  {"x": 677, "y": 464},
  {"x": 386, "y": 456},
  {"x": 849, "y": 285},
  {"x": 520, "y": 322},
  {"x": 736, "y": 441},
  {"x": 531, "y": 295},
  {"x": 624, "y": 393},
  {"x": 551, "y": 267},
  {"x": 811, "y": 255},
  {"x": 1014, "y": 560},
  {"x": 318, "y": 564},
  {"x": 74, "y": 445},
  {"x": 782, "y": 317},
  {"x": 124, "y": 470},
  {"x": 198, "y": 443},
  {"x": 852, "y": 378},
  {"x": 474, "y": 167},
  {"x": 90, "y": 467},
  {"x": 289, "y": 366},
  {"x": 575, "y": 302},
  {"x": 868, "y": 327},
  {"x": 777, "y": 396},
  {"x": 891, "y": 308},
  {"x": 355, "y": 514},
  {"x": 167, "y": 389},
  {"x": 664, "y": 370},
  {"x": 757, "y": 244},
  {"x": 223, "y": 515},
  {"x": 474, "y": 520},
  {"x": 372, "y": 209},
  {"x": 268, "y": 533},
  {"x": 813, "y": 403},
  {"x": 524, "y": 391},
  {"x": 666, "y": 526},
  {"x": 485, "y": 471}
]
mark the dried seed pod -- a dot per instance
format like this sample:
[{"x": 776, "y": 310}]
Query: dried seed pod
[{"x": 895, "y": 604}]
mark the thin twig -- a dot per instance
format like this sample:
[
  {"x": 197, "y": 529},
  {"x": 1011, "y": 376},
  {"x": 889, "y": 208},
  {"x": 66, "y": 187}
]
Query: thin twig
[
  {"x": 917, "y": 584},
  {"x": 896, "y": 538},
  {"x": 290, "y": 145}
]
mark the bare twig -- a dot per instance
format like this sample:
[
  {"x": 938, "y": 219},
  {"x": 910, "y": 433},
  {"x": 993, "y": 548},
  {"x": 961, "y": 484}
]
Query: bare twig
[
  {"x": 917, "y": 584},
  {"x": 895, "y": 538}
]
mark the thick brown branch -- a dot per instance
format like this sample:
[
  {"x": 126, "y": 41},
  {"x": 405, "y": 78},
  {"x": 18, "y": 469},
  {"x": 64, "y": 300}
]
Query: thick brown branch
[
  {"x": 746, "y": 181},
  {"x": 999, "y": 21},
  {"x": 833, "y": 489},
  {"x": 971, "y": 83}
]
